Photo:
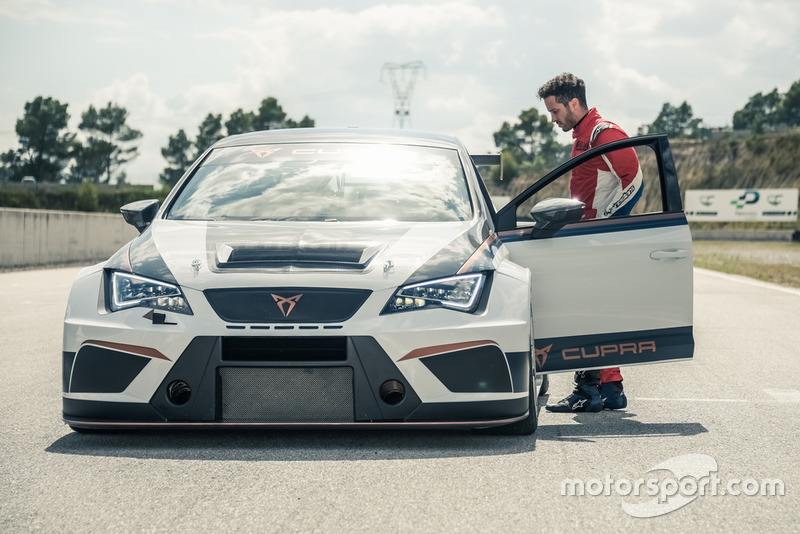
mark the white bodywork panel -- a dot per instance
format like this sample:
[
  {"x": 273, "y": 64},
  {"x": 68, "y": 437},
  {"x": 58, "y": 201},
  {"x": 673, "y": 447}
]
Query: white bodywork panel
[
  {"x": 609, "y": 282},
  {"x": 505, "y": 321}
]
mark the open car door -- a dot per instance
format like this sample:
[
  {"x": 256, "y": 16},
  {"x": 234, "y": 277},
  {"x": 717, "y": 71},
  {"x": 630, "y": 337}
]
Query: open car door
[{"x": 605, "y": 292}]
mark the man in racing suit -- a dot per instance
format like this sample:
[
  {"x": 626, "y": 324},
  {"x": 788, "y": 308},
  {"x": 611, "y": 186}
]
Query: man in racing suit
[{"x": 609, "y": 186}]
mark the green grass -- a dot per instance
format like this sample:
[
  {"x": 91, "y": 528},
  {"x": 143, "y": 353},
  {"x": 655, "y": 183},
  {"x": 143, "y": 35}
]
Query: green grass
[{"x": 775, "y": 262}]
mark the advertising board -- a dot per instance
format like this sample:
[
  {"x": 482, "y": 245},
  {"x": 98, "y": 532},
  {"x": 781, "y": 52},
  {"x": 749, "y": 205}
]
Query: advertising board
[{"x": 776, "y": 205}]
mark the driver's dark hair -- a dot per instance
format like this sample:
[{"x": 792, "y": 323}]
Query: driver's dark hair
[{"x": 565, "y": 87}]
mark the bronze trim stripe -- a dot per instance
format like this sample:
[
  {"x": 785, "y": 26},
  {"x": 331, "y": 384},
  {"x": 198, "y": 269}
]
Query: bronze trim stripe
[
  {"x": 441, "y": 349},
  {"x": 132, "y": 349}
]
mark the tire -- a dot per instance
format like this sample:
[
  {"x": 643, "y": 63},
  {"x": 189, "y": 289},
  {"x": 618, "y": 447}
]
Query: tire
[
  {"x": 523, "y": 427},
  {"x": 527, "y": 426},
  {"x": 545, "y": 385}
]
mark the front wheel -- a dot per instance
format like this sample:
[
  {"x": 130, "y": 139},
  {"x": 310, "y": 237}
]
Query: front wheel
[
  {"x": 527, "y": 426},
  {"x": 523, "y": 427}
]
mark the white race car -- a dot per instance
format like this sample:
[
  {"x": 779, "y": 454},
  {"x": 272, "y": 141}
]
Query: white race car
[{"x": 363, "y": 278}]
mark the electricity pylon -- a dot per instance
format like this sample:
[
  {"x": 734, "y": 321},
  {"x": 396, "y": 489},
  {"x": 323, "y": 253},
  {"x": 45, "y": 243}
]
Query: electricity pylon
[{"x": 403, "y": 77}]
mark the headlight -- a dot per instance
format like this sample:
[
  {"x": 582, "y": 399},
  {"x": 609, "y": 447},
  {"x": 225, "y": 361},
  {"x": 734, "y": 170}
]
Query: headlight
[
  {"x": 130, "y": 291},
  {"x": 460, "y": 293}
]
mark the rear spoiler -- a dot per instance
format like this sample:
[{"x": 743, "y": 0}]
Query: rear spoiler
[{"x": 482, "y": 160}]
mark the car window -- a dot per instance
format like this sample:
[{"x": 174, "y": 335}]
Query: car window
[
  {"x": 601, "y": 193},
  {"x": 326, "y": 182}
]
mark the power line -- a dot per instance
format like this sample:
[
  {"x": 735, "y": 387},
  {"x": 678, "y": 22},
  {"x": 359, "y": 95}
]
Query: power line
[{"x": 403, "y": 76}]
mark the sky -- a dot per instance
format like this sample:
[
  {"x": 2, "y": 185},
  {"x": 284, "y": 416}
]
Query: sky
[{"x": 171, "y": 62}]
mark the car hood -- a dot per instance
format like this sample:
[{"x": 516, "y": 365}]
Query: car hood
[{"x": 370, "y": 255}]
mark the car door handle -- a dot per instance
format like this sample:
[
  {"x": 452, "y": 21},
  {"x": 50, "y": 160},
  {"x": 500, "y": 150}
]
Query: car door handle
[{"x": 670, "y": 254}]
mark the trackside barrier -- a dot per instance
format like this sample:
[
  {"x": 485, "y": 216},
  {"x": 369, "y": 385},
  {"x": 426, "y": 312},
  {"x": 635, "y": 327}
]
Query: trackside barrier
[
  {"x": 745, "y": 235},
  {"x": 38, "y": 238}
]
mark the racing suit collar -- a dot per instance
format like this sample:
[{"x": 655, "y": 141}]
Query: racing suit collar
[{"x": 584, "y": 126}]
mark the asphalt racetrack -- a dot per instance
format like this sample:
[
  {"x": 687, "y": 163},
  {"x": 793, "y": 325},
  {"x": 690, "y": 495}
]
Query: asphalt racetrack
[{"x": 709, "y": 445}]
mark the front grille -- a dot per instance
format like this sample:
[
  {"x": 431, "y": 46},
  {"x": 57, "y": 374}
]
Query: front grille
[
  {"x": 267, "y": 305},
  {"x": 284, "y": 349},
  {"x": 285, "y": 394}
]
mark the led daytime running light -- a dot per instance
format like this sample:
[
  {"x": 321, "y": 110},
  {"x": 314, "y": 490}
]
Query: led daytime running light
[
  {"x": 130, "y": 291},
  {"x": 456, "y": 292}
]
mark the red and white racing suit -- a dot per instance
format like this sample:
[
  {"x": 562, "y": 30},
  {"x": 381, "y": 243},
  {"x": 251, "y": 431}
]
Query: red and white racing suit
[{"x": 609, "y": 185}]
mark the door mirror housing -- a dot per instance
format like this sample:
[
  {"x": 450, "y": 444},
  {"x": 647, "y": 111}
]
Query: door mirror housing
[
  {"x": 140, "y": 214},
  {"x": 554, "y": 213}
]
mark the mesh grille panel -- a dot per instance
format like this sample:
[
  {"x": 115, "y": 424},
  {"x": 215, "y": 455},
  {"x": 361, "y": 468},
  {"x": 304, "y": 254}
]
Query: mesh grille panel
[{"x": 286, "y": 394}]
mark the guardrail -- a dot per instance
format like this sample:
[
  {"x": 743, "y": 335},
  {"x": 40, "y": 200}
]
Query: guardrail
[{"x": 40, "y": 238}]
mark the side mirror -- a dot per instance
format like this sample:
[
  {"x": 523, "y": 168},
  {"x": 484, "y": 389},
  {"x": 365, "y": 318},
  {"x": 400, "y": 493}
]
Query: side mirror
[
  {"x": 552, "y": 214},
  {"x": 140, "y": 214}
]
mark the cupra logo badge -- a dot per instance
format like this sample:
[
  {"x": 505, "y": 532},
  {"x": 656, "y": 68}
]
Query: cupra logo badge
[
  {"x": 541, "y": 355},
  {"x": 264, "y": 152},
  {"x": 286, "y": 304}
]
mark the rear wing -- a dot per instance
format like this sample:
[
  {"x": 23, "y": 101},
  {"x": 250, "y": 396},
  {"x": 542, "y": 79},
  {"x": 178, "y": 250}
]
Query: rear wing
[{"x": 484, "y": 160}]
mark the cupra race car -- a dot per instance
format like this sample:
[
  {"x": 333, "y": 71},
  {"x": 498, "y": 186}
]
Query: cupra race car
[{"x": 351, "y": 277}]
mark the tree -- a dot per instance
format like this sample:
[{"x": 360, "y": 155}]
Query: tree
[
  {"x": 11, "y": 169},
  {"x": 531, "y": 141},
  {"x": 240, "y": 122},
  {"x": 44, "y": 149},
  {"x": 270, "y": 115},
  {"x": 759, "y": 114},
  {"x": 678, "y": 123},
  {"x": 210, "y": 132},
  {"x": 305, "y": 122},
  {"x": 109, "y": 141},
  {"x": 89, "y": 160},
  {"x": 789, "y": 107},
  {"x": 178, "y": 159}
]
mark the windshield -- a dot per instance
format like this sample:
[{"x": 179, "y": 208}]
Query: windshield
[{"x": 326, "y": 182}]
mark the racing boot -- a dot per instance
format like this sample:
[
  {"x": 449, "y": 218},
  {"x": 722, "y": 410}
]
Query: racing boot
[
  {"x": 613, "y": 396},
  {"x": 584, "y": 398}
]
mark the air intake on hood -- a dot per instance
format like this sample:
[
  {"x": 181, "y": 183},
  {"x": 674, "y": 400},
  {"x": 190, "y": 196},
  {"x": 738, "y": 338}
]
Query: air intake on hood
[{"x": 331, "y": 255}]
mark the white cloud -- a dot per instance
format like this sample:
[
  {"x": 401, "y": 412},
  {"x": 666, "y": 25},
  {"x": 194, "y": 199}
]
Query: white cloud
[
  {"x": 171, "y": 62},
  {"x": 279, "y": 47},
  {"x": 477, "y": 135},
  {"x": 492, "y": 52},
  {"x": 148, "y": 112},
  {"x": 626, "y": 81},
  {"x": 35, "y": 10}
]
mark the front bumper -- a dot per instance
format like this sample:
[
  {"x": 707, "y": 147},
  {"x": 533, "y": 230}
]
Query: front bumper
[
  {"x": 453, "y": 368},
  {"x": 285, "y": 382}
]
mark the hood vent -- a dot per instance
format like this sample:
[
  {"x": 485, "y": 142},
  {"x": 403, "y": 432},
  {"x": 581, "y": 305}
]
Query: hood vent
[{"x": 311, "y": 255}]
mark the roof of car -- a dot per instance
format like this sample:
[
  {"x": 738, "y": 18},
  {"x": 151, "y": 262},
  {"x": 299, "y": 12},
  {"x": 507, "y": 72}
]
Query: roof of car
[{"x": 340, "y": 135}]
